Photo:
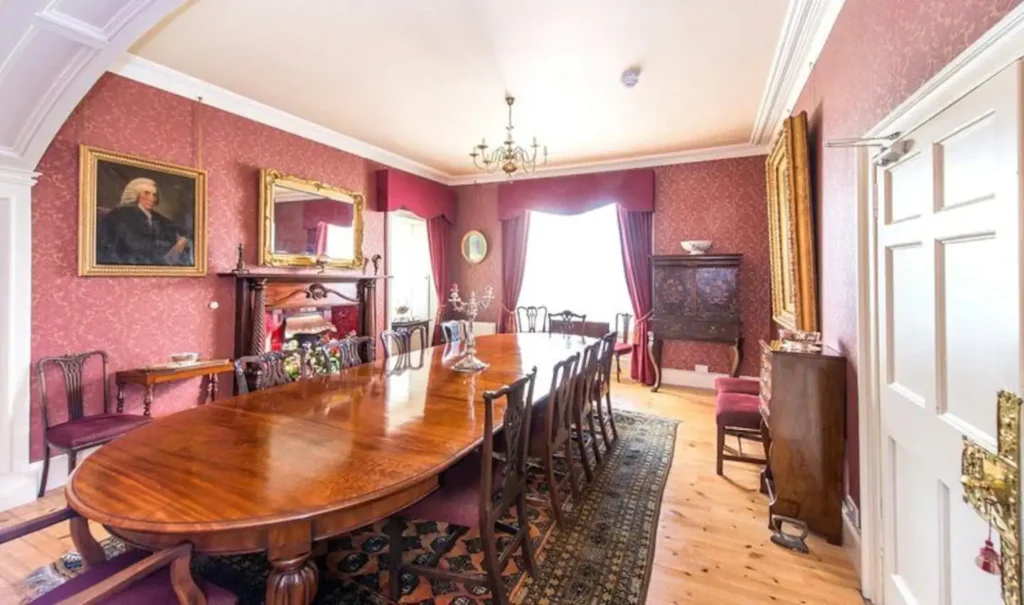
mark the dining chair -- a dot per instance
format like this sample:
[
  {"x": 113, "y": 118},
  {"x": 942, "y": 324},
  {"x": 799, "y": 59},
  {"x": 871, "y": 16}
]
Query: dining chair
[
  {"x": 399, "y": 342},
  {"x": 585, "y": 435},
  {"x": 563, "y": 322},
  {"x": 533, "y": 316},
  {"x": 135, "y": 576},
  {"x": 478, "y": 491},
  {"x": 601, "y": 394},
  {"x": 270, "y": 369},
  {"x": 625, "y": 346},
  {"x": 550, "y": 432},
  {"x": 454, "y": 330},
  {"x": 80, "y": 431},
  {"x": 343, "y": 353}
]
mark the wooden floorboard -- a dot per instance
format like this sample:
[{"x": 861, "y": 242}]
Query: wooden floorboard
[{"x": 713, "y": 543}]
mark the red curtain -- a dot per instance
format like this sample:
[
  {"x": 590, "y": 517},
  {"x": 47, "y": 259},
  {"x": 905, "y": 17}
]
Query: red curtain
[
  {"x": 439, "y": 232},
  {"x": 514, "y": 233},
  {"x": 578, "y": 193},
  {"x": 635, "y": 236},
  {"x": 321, "y": 238}
]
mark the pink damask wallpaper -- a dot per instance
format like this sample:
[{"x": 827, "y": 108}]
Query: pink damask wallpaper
[
  {"x": 140, "y": 321},
  {"x": 853, "y": 85},
  {"x": 722, "y": 201}
]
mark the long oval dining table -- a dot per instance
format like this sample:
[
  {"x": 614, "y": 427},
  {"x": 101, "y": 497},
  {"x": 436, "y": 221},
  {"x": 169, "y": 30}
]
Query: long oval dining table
[{"x": 276, "y": 470}]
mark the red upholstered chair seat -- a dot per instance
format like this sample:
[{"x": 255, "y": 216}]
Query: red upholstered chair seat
[
  {"x": 727, "y": 384},
  {"x": 93, "y": 429},
  {"x": 458, "y": 499},
  {"x": 623, "y": 347},
  {"x": 738, "y": 410},
  {"x": 154, "y": 589}
]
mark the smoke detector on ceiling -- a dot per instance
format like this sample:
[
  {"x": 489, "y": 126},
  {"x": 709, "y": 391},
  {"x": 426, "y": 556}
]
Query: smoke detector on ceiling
[{"x": 630, "y": 77}]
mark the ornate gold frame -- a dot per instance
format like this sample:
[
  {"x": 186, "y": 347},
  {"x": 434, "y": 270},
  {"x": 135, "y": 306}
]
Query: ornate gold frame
[
  {"x": 88, "y": 158},
  {"x": 462, "y": 247},
  {"x": 791, "y": 229},
  {"x": 269, "y": 178}
]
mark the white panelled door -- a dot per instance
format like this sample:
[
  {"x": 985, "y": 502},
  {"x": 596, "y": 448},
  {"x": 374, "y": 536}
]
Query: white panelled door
[{"x": 949, "y": 334}]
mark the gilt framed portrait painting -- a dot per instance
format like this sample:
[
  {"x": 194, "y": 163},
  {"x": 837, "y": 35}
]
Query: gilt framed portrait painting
[{"x": 140, "y": 217}]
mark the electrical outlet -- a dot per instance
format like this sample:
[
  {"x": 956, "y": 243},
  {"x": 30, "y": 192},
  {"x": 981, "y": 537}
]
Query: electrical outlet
[{"x": 702, "y": 369}]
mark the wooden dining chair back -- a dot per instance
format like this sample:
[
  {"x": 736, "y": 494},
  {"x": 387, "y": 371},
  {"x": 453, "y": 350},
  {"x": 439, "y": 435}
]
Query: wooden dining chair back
[
  {"x": 135, "y": 576},
  {"x": 601, "y": 394},
  {"x": 270, "y": 369},
  {"x": 494, "y": 485},
  {"x": 454, "y": 330},
  {"x": 343, "y": 353},
  {"x": 81, "y": 430},
  {"x": 550, "y": 433},
  {"x": 584, "y": 427},
  {"x": 399, "y": 342},
  {"x": 624, "y": 345},
  {"x": 567, "y": 322},
  {"x": 532, "y": 319}
]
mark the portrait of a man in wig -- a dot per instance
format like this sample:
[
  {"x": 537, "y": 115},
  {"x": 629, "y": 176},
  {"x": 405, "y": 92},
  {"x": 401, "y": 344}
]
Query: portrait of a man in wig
[{"x": 135, "y": 232}]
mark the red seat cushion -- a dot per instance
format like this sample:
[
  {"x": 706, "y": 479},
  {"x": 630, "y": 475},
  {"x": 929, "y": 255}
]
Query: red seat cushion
[
  {"x": 728, "y": 384},
  {"x": 93, "y": 429},
  {"x": 458, "y": 499},
  {"x": 738, "y": 410},
  {"x": 154, "y": 589},
  {"x": 623, "y": 347}
]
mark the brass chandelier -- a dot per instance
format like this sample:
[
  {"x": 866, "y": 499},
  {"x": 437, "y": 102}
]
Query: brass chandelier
[{"x": 508, "y": 156}]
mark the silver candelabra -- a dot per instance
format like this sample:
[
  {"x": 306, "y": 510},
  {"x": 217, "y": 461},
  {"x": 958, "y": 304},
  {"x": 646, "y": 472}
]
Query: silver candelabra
[{"x": 470, "y": 362}]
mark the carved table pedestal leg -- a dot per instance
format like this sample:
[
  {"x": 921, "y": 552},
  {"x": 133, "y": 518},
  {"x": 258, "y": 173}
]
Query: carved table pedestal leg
[
  {"x": 292, "y": 581},
  {"x": 120, "y": 397},
  {"x": 147, "y": 401},
  {"x": 654, "y": 346}
]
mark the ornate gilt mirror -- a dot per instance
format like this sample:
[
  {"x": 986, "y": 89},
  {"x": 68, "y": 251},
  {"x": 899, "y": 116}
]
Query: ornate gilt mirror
[
  {"x": 474, "y": 247},
  {"x": 791, "y": 229},
  {"x": 303, "y": 222}
]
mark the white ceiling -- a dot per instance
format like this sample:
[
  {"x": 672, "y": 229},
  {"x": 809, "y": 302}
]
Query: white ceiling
[{"x": 426, "y": 79}]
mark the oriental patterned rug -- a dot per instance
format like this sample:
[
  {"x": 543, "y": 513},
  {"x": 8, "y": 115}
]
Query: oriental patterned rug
[{"x": 604, "y": 555}]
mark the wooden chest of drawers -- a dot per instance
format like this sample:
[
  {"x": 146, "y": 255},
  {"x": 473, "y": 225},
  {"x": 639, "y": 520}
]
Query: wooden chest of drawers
[{"x": 803, "y": 406}]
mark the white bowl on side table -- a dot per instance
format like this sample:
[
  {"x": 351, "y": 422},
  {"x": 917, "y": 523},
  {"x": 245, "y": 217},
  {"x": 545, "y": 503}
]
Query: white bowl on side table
[{"x": 696, "y": 246}]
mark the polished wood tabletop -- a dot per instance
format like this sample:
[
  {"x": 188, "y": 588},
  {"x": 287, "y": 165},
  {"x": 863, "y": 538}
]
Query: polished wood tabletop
[{"x": 278, "y": 469}]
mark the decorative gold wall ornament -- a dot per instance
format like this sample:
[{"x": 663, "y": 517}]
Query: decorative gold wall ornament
[
  {"x": 273, "y": 187},
  {"x": 508, "y": 156},
  {"x": 991, "y": 483},
  {"x": 791, "y": 229}
]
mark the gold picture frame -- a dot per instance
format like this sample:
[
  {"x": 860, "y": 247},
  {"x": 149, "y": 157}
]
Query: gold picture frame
[
  {"x": 473, "y": 247},
  {"x": 791, "y": 229},
  {"x": 269, "y": 180},
  {"x": 122, "y": 234}
]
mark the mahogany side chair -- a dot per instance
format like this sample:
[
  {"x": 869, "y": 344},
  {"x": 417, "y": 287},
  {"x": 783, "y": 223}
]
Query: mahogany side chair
[
  {"x": 584, "y": 428},
  {"x": 349, "y": 351},
  {"x": 478, "y": 491},
  {"x": 550, "y": 434},
  {"x": 270, "y": 369},
  {"x": 625, "y": 346},
  {"x": 530, "y": 319},
  {"x": 567, "y": 322},
  {"x": 399, "y": 342},
  {"x": 601, "y": 393},
  {"x": 454, "y": 330},
  {"x": 80, "y": 431},
  {"x": 133, "y": 577}
]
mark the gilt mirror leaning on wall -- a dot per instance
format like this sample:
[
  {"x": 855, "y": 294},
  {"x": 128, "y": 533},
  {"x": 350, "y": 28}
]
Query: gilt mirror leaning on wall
[{"x": 306, "y": 223}]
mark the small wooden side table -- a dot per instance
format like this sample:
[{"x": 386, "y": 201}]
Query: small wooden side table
[{"x": 151, "y": 376}]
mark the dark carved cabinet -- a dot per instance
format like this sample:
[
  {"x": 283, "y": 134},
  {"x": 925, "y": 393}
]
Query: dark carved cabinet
[
  {"x": 803, "y": 406},
  {"x": 695, "y": 297}
]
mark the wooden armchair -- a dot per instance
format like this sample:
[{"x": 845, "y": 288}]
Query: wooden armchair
[
  {"x": 567, "y": 322},
  {"x": 527, "y": 319},
  {"x": 623, "y": 346},
  {"x": 258, "y": 372},
  {"x": 79, "y": 431},
  {"x": 136, "y": 576}
]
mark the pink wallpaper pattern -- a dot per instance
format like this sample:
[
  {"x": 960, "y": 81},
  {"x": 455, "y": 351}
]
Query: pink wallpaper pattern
[
  {"x": 722, "y": 200},
  {"x": 854, "y": 85},
  {"x": 140, "y": 321}
]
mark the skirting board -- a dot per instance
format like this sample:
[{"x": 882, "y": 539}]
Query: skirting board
[
  {"x": 851, "y": 533},
  {"x": 695, "y": 380}
]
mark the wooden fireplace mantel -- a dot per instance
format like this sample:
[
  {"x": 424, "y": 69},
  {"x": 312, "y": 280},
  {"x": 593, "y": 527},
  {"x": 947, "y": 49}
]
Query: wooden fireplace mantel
[{"x": 258, "y": 290}]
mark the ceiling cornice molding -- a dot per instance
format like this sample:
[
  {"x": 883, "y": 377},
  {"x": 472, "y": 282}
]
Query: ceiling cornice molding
[
  {"x": 175, "y": 82},
  {"x": 806, "y": 27},
  {"x": 724, "y": 152}
]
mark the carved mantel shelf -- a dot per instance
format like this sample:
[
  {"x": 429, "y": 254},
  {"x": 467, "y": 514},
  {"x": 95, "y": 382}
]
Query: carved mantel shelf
[{"x": 258, "y": 290}]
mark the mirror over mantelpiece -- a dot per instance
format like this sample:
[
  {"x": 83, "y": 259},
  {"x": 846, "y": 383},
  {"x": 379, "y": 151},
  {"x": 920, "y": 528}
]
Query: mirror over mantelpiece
[{"x": 307, "y": 223}]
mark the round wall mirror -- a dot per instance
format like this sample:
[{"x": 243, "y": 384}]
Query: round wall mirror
[{"x": 474, "y": 247}]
